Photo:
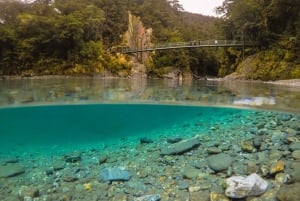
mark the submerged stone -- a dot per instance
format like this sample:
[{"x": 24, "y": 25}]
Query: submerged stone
[
  {"x": 11, "y": 170},
  {"x": 294, "y": 146},
  {"x": 146, "y": 140},
  {"x": 219, "y": 162},
  {"x": 155, "y": 197},
  {"x": 241, "y": 187},
  {"x": 114, "y": 174},
  {"x": 289, "y": 192},
  {"x": 180, "y": 147},
  {"x": 173, "y": 140}
]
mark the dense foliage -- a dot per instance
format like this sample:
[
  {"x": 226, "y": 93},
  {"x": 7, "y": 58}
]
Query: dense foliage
[
  {"x": 274, "y": 26},
  {"x": 75, "y": 37}
]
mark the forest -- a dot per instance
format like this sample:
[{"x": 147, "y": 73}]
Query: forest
[{"x": 60, "y": 37}]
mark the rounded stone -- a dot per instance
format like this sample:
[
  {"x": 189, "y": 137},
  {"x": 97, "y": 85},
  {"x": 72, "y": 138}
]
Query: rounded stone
[
  {"x": 296, "y": 154},
  {"x": 219, "y": 162}
]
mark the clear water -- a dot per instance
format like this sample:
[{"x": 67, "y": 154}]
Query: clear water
[{"x": 57, "y": 115}]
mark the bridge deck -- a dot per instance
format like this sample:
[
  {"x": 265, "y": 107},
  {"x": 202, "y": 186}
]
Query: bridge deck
[{"x": 178, "y": 45}]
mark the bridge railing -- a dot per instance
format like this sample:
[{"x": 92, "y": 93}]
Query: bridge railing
[{"x": 177, "y": 45}]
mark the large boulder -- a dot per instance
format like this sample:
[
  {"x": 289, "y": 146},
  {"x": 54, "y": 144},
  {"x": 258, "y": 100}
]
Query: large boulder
[
  {"x": 180, "y": 147},
  {"x": 219, "y": 162},
  {"x": 241, "y": 187}
]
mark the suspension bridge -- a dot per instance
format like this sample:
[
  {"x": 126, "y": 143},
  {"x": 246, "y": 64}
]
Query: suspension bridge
[{"x": 181, "y": 45}]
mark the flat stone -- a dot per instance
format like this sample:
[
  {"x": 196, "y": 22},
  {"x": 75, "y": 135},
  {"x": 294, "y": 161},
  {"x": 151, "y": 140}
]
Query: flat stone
[
  {"x": 191, "y": 173},
  {"x": 173, "y": 140},
  {"x": 11, "y": 170},
  {"x": 219, "y": 162},
  {"x": 58, "y": 165},
  {"x": 213, "y": 150},
  {"x": 180, "y": 147},
  {"x": 289, "y": 192},
  {"x": 115, "y": 174},
  {"x": 155, "y": 197},
  {"x": 182, "y": 185}
]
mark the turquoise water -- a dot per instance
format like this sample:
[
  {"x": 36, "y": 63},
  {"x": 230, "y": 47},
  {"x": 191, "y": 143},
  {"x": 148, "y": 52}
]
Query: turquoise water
[
  {"x": 46, "y": 124},
  {"x": 36, "y": 126},
  {"x": 62, "y": 114}
]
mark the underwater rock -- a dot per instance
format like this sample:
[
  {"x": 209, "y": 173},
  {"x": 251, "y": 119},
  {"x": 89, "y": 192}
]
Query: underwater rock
[
  {"x": 173, "y": 140},
  {"x": 11, "y": 170},
  {"x": 294, "y": 146},
  {"x": 241, "y": 187},
  {"x": 115, "y": 174},
  {"x": 103, "y": 159},
  {"x": 289, "y": 192},
  {"x": 277, "y": 167},
  {"x": 28, "y": 191},
  {"x": 182, "y": 185},
  {"x": 295, "y": 175},
  {"x": 219, "y": 162},
  {"x": 191, "y": 173},
  {"x": 145, "y": 140},
  {"x": 73, "y": 157},
  {"x": 58, "y": 165},
  {"x": 247, "y": 146},
  {"x": 296, "y": 154},
  {"x": 284, "y": 117},
  {"x": 155, "y": 197},
  {"x": 214, "y": 196},
  {"x": 213, "y": 150},
  {"x": 180, "y": 147}
]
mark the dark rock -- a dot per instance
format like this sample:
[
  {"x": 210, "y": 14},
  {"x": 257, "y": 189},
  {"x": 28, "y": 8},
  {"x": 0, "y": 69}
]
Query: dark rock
[
  {"x": 289, "y": 192},
  {"x": 49, "y": 172},
  {"x": 73, "y": 157},
  {"x": 114, "y": 174},
  {"x": 257, "y": 142},
  {"x": 219, "y": 162},
  {"x": 173, "y": 140},
  {"x": 103, "y": 159},
  {"x": 145, "y": 140},
  {"x": 11, "y": 170},
  {"x": 180, "y": 147}
]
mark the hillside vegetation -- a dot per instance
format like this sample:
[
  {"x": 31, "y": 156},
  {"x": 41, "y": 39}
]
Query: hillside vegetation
[{"x": 46, "y": 37}]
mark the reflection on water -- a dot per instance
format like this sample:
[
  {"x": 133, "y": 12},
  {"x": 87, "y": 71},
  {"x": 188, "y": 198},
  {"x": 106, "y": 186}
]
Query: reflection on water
[{"x": 141, "y": 90}]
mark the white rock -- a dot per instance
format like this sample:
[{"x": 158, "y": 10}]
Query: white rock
[{"x": 240, "y": 187}]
